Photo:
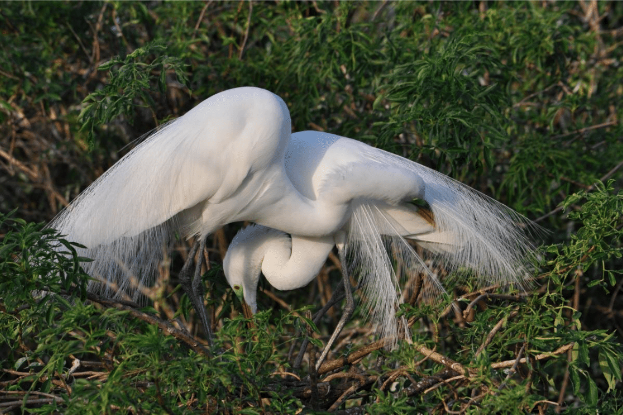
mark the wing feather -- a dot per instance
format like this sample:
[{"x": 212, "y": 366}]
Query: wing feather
[{"x": 126, "y": 215}]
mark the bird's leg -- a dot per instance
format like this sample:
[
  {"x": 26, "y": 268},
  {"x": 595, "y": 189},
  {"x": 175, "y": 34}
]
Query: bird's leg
[{"x": 191, "y": 284}]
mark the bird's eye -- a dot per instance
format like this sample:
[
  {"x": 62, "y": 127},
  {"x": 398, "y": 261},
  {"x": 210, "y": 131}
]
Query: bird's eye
[{"x": 236, "y": 287}]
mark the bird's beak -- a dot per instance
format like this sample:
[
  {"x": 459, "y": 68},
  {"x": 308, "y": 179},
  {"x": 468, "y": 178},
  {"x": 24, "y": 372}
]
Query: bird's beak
[
  {"x": 246, "y": 310},
  {"x": 245, "y": 293}
]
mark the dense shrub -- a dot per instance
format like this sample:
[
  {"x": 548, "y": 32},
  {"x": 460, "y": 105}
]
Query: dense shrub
[{"x": 518, "y": 100}]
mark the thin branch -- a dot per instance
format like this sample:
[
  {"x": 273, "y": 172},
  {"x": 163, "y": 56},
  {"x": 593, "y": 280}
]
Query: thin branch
[
  {"x": 494, "y": 331},
  {"x": 32, "y": 174},
  {"x": 378, "y": 10},
  {"x": 359, "y": 354},
  {"x": 585, "y": 129},
  {"x": 246, "y": 33},
  {"x": 510, "y": 363},
  {"x": 203, "y": 11},
  {"x": 486, "y": 296},
  {"x": 588, "y": 189},
  {"x": 166, "y": 327}
]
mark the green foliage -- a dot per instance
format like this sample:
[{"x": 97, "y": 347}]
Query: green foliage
[
  {"x": 48, "y": 331},
  {"x": 129, "y": 85},
  {"x": 518, "y": 100}
]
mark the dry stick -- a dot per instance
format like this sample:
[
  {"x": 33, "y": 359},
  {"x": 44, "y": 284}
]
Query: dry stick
[
  {"x": 246, "y": 33},
  {"x": 32, "y": 174},
  {"x": 588, "y": 189},
  {"x": 166, "y": 327},
  {"x": 48, "y": 395},
  {"x": 352, "y": 389},
  {"x": 281, "y": 373},
  {"x": 443, "y": 382},
  {"x": 95, "y": 58},
  {"x": 453, "y": 367},
  {"x": 470, "y": 295},
  {"x": 429, "y": 381},
  {"x": 351, "y": 358},
  {"x": 17, "y": 404},
  {"x": 487, "y": 296},
  {"x": 575, "y": 305},
  {"x": 585, "y": 129},
  {"x": 278, "y": 300},
  {"x": 203, "y": 11},
  {"x": 116, "y": 23},
  {"x": 514, "y": 368},
  {"x": 378, "y": 10},
  {"x": 390, "y": 379},
  {"x": 494, "y": 331},
  {"x": 84, "y": 49},
  {"x": 535, "y": 94},
  {"x": 364, "y": 351},
  {"x": 510, "y": 363},
  {"x": 563, "y": 388},
  {"x": 347, "y": 375},
  {"x": 344, "y": 396}
]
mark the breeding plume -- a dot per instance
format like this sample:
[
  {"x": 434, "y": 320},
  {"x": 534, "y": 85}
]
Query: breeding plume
[{"x": 232, "y": 158}]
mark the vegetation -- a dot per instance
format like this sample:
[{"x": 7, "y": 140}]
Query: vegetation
[{"x": 518, "y": 100}]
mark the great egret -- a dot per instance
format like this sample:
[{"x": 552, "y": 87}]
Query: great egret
[
  {"x": 225, "y": 161},
  {"x": 460, "y": 228}
]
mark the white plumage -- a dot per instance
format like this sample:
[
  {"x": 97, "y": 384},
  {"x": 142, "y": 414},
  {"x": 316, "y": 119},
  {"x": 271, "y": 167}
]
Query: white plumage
[
  {"x": 463, "y": 228},
  {"x": 233, "y": 158}
]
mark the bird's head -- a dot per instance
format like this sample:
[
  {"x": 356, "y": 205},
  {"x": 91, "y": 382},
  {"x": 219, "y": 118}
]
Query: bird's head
[{"x": 243, "y": 262}]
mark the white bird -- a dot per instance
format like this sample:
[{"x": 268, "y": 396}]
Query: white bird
[
  {"x": 225, "y": 161},
  {"x": 460, "y": 228}
]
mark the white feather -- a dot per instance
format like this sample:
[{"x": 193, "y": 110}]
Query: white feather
[{"x": 232, "y": 158}]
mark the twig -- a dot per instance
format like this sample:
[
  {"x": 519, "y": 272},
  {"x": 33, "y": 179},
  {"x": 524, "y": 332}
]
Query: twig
[
  {"x": 378, "y": 10},
  {"x": 344, "y": 396},
  {"x": 32, "y": 393},
  {"x": 535, "y": 94},
  {"x": 95, "y": 57},
  {"x": 494, "y": 331},
  {"x": 347, "y": 375},
  {"x": 359, "y": 354},
  {"x": 510, "y": 363},
  {"x": 285, "y": 374},
  {"x": 351, "y": 358},
  {"x": 278, "y": 300},
  {"x": 588, "y": 189},
  {"x": 84, "y": 49},
  {"x": 166, "y": 327},
  {"x": 32, "y": 174},
  {"x": 203, "y": 11},
  {"x": 429, "y": 381},
  {"x": 514, "y": 368},
  {"x": 487, "y": 296},
  {"x": 441, "y": 359},
  {"x": 443, "y": 382},
  {"x": 313, "y": 373},
  {"x": 246, "y": 33},
  {"x": 28, "y": 402}
]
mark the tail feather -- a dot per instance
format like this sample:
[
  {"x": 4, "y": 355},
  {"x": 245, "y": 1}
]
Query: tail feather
[
  {"x": 373, "y": 246},
  {"x": 461, "y": 229},
  {"x": 491, "y": 238}
]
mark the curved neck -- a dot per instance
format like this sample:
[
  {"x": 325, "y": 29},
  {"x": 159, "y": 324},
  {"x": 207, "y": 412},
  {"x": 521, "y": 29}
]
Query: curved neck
[
  {"x": 280, "y": 205},
  {"x": 288, "y": 268}
]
